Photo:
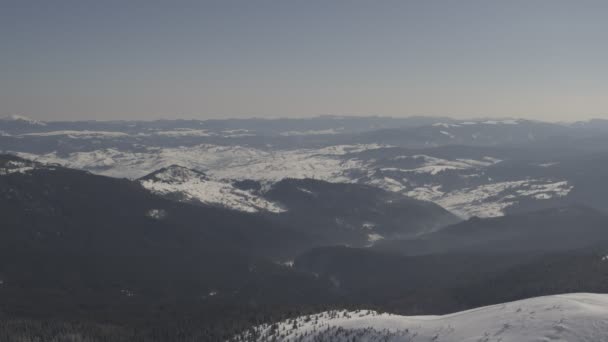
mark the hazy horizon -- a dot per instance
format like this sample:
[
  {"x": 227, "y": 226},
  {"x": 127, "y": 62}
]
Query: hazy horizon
[
  {"x": 146, "y": 60},
  {"x": 309, "y": 117}
]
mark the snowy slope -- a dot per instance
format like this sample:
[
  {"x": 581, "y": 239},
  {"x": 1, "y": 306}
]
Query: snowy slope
[
  {"x": 569, "y": 317},
  {"x": 190, "y": 185},
  {"x": 490, "y": 200}
]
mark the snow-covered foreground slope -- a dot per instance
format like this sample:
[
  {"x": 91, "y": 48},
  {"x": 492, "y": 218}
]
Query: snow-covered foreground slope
[{"x": 569, "y": 317}]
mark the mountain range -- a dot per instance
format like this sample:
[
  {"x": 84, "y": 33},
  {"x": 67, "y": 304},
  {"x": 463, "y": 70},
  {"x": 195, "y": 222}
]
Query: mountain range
[{"x": 215, "y": 229}]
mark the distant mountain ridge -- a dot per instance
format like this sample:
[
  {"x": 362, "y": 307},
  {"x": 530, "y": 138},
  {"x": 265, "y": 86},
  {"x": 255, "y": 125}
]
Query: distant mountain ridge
[
  {"x": 75, "y": 242},
  {"x": 20, "y": 119},
  {"x": 547, "y": 230}
]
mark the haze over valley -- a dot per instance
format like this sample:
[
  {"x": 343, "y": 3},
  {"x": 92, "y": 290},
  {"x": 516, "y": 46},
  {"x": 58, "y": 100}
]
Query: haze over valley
[
  {"x": 245, "y": 223},
  {"x": 303, "y": 171}
]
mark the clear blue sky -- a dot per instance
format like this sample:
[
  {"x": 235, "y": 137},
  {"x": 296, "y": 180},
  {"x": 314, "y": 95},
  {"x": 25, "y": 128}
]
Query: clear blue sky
[{"x": 149, "y": 59}]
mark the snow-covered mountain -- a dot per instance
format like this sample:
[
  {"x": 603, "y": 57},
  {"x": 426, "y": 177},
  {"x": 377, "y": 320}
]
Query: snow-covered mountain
[
  {"x": 466, "y": 186},
  {"x": 483, "y": 167},
  {"x": 337, "y": 213},
  {"x": 573, "y": 317},
  {"x": 221, "y": 162},
  {"x": 192, "y": 186},
  {"x": 22, "y": 120},
  {"x": 336, "y": 200}
]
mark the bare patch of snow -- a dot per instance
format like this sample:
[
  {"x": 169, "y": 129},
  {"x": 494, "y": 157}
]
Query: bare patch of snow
[
  {"x": 157, "y": 214},
  {"x": 15, "y": 167},
  {"x": 426, "y": 192},
  {"x": 313, "y": 132},
  {"x": 306, "y": 191},
  {"x": 434, "y": 165},
  {"x": 237, "y": 133},
  {"x": 447, "y": 134},
  {"x": 288, "y": 263},
  {"x": 490, "y": 200},
  {"x": 373, "y": 238},
  {"x": 548, "y": 164},
  {"x": 127, "y": 292},
  {"x": 388, "y": 183},
  {"x": 557, "y": 189},
  {"x": 368, "y": 225},
  {"x": 500, "y": 122}
]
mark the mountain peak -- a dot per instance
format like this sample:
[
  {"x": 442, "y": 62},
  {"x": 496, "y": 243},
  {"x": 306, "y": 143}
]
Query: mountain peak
[
  {"x": 175, "y": 174},
  {"x": 194, "y": 186}
]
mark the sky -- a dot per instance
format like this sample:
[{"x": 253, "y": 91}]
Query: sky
[{"x": 131, "y": 59}]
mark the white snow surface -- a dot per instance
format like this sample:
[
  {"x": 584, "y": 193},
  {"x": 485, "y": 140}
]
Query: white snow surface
[
  {"x": 194, "y": 186},
  {"x": 492, "y": 122},
  {"x": 373, "y": 238},
  {"x": 312, "y": 132},
  {"x": 501, "y": 122},
  {"x": 434, "y": 165},
  {"x": 490, "y": 200},
  {"x": 340, "y": 163},
  {"x": 157, "y": 214},
  {"x": 221, "y": 162},
  {"x": 447, "y": 133},
  {"x": 445, "y": 125},
  {"x": 575, "y": 317}
]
